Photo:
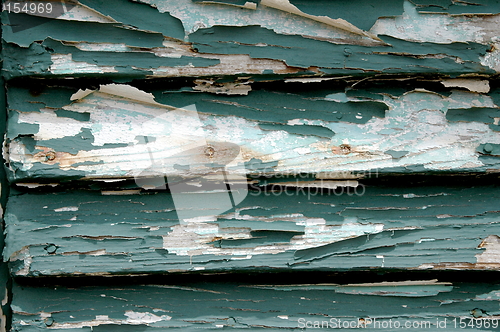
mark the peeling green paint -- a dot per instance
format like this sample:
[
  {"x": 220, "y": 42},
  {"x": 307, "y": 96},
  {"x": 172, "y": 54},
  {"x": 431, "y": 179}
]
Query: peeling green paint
[
  {"x": 138, "y": 15},
  {"x": 400, "y": 57},
  {"x": 215, "y": 305},
  {"x": 362, "y": 14},
  {"x": 462, "y": 7},
  {"x": 19, "y": 128},
  {"x": 73, "y": 115},
  {"x": 403, "y": 289},
  {"x": 386, "y": 227},
  {"x": 478, "y": 114},
  {"x": 94, "y": 33}
]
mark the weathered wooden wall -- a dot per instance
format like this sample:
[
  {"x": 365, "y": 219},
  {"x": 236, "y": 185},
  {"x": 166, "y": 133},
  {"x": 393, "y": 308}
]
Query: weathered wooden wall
[
  {"x": 189, "y": 306},
  {"x": 157, "y": 137}
]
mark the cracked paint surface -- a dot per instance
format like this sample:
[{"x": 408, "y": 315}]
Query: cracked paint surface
[
  {"x": 419, "y": 227},
  {"x": 308, "y": 99},
  {"x": 97, "y": 134},
  {"x": 243, "y": 306},
  {"x": 193, "y": 38}
]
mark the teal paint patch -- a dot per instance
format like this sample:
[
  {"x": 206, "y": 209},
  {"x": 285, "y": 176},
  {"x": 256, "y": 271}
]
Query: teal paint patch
[
  {"x": 188, "y": 305},
  {"x": 37, "y": 96},
  {"x": 401, "y": 57},
  {"x": 132, "y": 228},
  {"x": 73, "y": 115},
  {"x": 495, "y": 95},
  {"x": 19, "y": 61},
  {"x": 277, "y": 107},
  {"x": 489, "y": 149},
  {"x": 38, "y": 172},
  {"x": 257, "y": 164},
  {"x": 139, "y": 15},
  {"x": 403, "y": 289},
  {"x": 124, "y": 61},
  {"x": 474, "y": 114},
  {"x": 81, "y": 142},
  {"x": 16, "y": 128},
  {"x": 396, "y": 154},
  {"x": 72, "y": 31},
  {"x": 306, "y": 130},
  {"x": 362, "y": 14}
]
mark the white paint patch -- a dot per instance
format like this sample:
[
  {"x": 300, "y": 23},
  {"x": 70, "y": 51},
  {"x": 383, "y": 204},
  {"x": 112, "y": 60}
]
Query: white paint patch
[
  {"x": 144, "y": 317},
  {"x": 438, "y": 28},
  {"x": 197, "y": 238},
  {"x": 63, "y": 64},
  {"x": 491, "y": 253},
  {"x": 471, "y": 84},
  {"x": 66, "y": 209},
  {"x": 492, "y": 59},
  {"x": 278, "y": 15}
]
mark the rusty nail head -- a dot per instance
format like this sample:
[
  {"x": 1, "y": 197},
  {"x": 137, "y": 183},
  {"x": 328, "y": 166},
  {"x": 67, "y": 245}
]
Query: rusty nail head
[
  {"x": 209, "y": 151},
  {"x": 51, "y": 155},
  {"x": 345, "y": 148}
]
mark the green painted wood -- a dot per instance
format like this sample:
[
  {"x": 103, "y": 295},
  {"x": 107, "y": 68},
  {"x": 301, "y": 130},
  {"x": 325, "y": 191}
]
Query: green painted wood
[
  {"x": 278, "y": 38},
  {"x": 233, "y": 305},
  {"x": 122, "y": 132},
  {"x": 5, "y": 282},
  {"x": 249, "y": 113},
  {"x": 384, "y": 227}
]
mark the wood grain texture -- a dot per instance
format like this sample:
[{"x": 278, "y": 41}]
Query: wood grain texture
[
  {"x": 84, "y": 232},
  {"x": 193, "y": 306},
  {"x": 271, "y": 39}
]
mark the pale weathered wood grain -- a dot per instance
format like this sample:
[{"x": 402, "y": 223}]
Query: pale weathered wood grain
[{"x": 123, "y": 132}]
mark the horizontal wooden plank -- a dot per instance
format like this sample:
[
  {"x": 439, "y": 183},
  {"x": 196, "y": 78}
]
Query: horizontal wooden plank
[
  {"x": 415, "y": 227},
  {"x": 119, "y": 131},
  {"x": 303, "y": 38},
  {"x": 407, "y": 305}
]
